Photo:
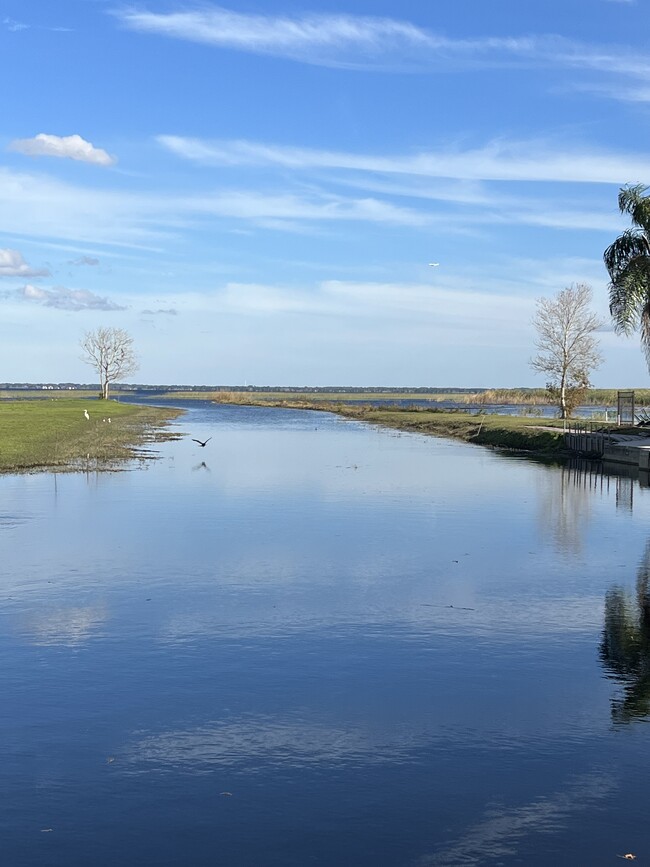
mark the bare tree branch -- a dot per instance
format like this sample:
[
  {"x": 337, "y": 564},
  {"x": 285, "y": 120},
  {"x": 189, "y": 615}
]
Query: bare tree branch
[
  {"x": 567, "y": 348},
  {"x": 110, "y": 352}
]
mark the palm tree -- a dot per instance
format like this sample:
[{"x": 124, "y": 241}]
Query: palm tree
[{"x": 628, "y": 263}]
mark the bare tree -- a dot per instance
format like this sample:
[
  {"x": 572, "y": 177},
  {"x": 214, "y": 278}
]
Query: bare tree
[
  {"x": 110, "y": 351},
  {"x": 567, "y": 348}
]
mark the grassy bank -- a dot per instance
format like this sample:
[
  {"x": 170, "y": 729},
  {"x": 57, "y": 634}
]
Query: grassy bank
[
  {"x": 510, "y": 432},
  {"x": 44, "y": 394},
  {"x": 41, "y": 434}
]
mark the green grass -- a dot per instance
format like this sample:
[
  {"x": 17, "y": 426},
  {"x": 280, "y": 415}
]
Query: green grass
[
  {"x": 55, "y": 433},
  {"x": 511, "y": 432},
  {"x": 44, "y": 394}
]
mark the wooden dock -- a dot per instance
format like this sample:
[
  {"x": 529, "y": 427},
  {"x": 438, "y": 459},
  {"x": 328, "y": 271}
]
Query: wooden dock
[{"x": 586, "y": 440}]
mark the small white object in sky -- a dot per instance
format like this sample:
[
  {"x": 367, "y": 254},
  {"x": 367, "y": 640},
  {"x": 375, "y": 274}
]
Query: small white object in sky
[
  {"x": 72, "y": 147},
  {"x": 433, "y": 264}
]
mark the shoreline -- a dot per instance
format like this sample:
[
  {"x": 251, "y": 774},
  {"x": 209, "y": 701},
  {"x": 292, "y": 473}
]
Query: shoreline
[{"x": 515, "y": 433}]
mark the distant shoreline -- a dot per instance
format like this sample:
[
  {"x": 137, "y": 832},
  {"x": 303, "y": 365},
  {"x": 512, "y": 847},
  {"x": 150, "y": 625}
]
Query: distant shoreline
[{"x": 469, "y": 397}]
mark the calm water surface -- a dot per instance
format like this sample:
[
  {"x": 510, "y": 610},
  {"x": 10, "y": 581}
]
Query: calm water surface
[{"x": 318, "y": 643}]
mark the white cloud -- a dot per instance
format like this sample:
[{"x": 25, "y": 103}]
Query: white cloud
[
  {"x": 14, "y": 26},
  {"x": 319, "y": 39},
  {"x": 37, "y": 205},
  {"x": 12, "y": 264},
  {"x": 367, "y": 42},
  {"x": 71, "y": 147},
  {"x": 498, "y": 160},
  {"x": 61, "y": 298},
  {"x": 249, "y": 205},
  {"x": 450, "y": 306}
]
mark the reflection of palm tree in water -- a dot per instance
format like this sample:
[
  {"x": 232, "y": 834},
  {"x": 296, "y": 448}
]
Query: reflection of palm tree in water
[{"x": 625, "y": 645}]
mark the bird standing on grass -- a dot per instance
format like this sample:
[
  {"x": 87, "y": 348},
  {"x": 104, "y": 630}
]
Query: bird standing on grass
[
  {"x": 203, "y": 445},
  {"x": 86, "y": 414}
]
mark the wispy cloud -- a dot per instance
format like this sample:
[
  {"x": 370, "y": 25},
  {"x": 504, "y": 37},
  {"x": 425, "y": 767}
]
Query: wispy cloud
[
  {"x": 360, "y": 42},
  {"x": 66, "y": 299},
  {"x": 14, "y": 26},
  {"x": 498, "y": 160},
  {"x": 170, "y": 311},
  {"x": 38, "y": 205},
  {"x": 452, "y": 305},
  {"x": 12, "y": 264},
  {"x": 72, "y": 147},
  {"x": 91, "y": 261},
  {"x": 262, "y": 208},
  {"x": 318, "y": 39}
]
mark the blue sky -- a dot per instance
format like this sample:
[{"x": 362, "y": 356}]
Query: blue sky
[{"x": 255, "y": 191}]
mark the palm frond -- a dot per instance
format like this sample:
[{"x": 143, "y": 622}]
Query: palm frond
[
  {"x": 629, "y": 295},
  {"x": 631, "y": 245},
  {"x": 633, "y": 201},
  {"x": 645, "y": 331}
]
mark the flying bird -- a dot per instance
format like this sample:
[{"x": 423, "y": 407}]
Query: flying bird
[
  {"x": 86, "y": 414},
  {"x": 203, "y": 445},
  {"x": 433, "y": 264}
]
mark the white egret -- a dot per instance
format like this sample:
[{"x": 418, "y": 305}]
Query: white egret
[{"x": 86, "y": 414}]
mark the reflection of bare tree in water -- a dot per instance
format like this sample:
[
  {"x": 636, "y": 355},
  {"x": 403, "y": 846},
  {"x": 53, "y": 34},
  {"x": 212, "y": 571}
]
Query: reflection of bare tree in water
[
  {"x": 565, "y": 504},
  {"x": 625, "y": 645}
]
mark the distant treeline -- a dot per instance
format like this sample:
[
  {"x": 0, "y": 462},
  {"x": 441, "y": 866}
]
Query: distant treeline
[
  {"x": 529, "y": 396},
  {"x": 286, "y": 389}
]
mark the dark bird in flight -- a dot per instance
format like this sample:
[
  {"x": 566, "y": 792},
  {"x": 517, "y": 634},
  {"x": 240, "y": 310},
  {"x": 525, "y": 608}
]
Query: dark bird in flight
[{"x": 203, "y": 445}]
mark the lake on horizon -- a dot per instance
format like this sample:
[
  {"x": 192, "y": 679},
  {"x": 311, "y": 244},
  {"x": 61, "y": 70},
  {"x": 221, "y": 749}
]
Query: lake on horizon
[{"x": 316, "y": 642}]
